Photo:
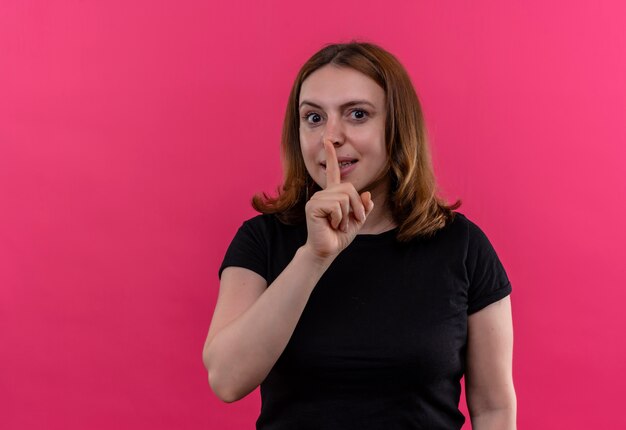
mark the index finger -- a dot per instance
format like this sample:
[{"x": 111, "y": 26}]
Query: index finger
[{"x": 333, "y": 175}]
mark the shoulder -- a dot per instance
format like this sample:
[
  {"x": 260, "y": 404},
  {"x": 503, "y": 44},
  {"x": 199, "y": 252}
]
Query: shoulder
[
  {"x": 267, "y": 223},
  {"x": 462, "y": 221},
  {"x": 476, "y": 235},
  {"x": 464, "y": 234},
  {"x": 269, "y": 229},
  {"x": 256, "y": 239},
  {"x": 259, "y": 222},
  {"x": 457, "y": 230},
  {"x": 465, "y": 227}
]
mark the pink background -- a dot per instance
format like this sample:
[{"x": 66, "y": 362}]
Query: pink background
[{"x": 133, "y": 134}]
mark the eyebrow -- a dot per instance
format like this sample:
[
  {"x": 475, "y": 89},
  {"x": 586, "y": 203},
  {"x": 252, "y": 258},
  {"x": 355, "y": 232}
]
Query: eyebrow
[{"x": 343, "y": 106}]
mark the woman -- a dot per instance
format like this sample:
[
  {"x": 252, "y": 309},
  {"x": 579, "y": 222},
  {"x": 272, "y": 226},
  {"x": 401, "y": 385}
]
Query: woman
[{"x": 358, "y": 299}]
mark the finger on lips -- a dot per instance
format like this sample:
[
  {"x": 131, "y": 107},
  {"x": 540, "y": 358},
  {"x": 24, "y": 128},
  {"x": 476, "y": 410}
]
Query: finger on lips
[
  {"x": 333, "y": 174},
  {"x": 333, "y": 177}
]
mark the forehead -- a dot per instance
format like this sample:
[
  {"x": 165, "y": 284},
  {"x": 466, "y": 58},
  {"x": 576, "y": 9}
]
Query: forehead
[{"x": 334, "y": 85}]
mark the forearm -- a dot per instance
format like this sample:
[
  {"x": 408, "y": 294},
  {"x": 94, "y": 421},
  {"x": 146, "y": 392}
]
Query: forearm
[{"x": 242, "y": 354}]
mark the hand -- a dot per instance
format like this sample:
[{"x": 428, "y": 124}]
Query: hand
[{"x": 336, "y": 214}]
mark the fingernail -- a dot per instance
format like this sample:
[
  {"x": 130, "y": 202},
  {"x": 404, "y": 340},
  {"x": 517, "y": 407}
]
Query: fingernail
[{"x": 362, "y": 214}]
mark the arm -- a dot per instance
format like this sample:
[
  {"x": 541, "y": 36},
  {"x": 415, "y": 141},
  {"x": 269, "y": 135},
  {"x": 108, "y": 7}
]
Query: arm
[
  {"x": 252, "y": 325},
  {"x": 489, "y": 387}
]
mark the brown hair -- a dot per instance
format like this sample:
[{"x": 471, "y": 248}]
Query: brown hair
[{"x": 413, "y": 202}]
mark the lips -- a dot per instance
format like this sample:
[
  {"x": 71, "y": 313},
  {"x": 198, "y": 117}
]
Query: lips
[{"x": 341, "y": 160}]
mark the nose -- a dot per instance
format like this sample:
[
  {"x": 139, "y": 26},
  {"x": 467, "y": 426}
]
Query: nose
[{"x": 334, "y": 131}]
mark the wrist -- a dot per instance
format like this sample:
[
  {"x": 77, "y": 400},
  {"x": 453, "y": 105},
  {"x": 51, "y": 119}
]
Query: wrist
[{"x": 320, "y": 262}]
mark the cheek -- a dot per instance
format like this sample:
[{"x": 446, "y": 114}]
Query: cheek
[
  {"x": 372, "y": 145},
  {"x": 305, "y": 144},
  {"x": 373, "y": 132},
  {"x": 308, "y": 154},
  {"x": 307, "y": 141}
]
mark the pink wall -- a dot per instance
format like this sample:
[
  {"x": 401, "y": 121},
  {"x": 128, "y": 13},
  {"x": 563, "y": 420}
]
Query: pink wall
[{"x": 133, "y": 134}]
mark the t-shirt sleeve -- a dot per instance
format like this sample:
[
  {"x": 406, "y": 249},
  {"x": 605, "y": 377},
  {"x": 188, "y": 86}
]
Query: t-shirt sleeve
[
  {"x": 488, "y": 279},
  {"x": 248, "y": 249}
]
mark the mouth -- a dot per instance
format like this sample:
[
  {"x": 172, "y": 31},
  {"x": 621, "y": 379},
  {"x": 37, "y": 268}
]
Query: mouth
[{"x": 342, "y": 164}]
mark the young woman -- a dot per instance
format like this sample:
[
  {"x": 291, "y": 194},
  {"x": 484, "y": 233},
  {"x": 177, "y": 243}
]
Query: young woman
[{"x": 358, "y": 298}]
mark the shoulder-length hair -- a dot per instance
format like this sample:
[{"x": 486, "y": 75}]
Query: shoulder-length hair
[{"x": 413, "y": 200}]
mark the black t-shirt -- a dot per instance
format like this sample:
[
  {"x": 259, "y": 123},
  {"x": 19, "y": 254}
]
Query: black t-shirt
[{"x": 382, "y": 340}]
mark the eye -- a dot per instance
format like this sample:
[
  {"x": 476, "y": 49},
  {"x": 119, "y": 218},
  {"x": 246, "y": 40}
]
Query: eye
[
  {"x": 314, "y": 116},
  {"x": 359, "y": 114}
]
